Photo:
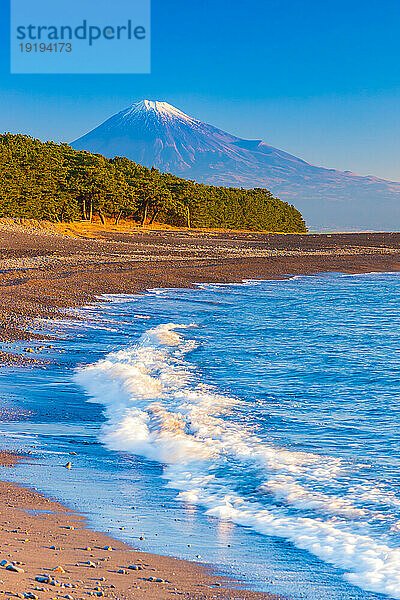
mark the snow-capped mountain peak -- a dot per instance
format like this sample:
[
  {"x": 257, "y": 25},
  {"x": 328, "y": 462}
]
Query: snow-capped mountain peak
[{"x": 155, "y": 108}]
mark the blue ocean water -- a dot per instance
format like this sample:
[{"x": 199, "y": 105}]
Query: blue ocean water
[{"x": 254, "y": 425}]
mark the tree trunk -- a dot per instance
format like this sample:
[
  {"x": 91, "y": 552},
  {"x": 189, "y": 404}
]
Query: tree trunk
[
  {"x": 144, "y": 215},
  {"x": 188, "y": 218},
  {"x": 153, "y": 217},
  {"x": 91, "y": 210},
  {"x": 102, "y": 217},
  {"x": 118, "y": 217},
  {"x": 84, "y": 209}
]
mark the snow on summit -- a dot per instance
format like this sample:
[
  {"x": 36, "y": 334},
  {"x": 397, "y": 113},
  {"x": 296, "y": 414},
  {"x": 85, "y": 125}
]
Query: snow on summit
[
  {"x": 162, "y": 109},
  {"x": 155, "y": 133}
]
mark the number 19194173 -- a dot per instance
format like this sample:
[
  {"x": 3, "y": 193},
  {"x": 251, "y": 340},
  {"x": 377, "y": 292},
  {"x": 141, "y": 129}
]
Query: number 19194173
[{"x": 42, "y": 47}]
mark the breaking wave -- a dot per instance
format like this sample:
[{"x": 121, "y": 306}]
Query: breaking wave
[{"x": 157, "y": 406}]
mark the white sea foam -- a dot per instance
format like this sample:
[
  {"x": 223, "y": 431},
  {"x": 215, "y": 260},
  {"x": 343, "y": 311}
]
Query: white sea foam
[{"x": 156, "y": 406}]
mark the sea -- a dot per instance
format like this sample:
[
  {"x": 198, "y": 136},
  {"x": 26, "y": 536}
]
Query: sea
[{"x": 254, "y": 427}]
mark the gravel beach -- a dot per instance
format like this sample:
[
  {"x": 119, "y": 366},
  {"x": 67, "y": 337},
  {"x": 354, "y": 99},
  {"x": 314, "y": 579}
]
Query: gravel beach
[{"x": 44, "y": 270}]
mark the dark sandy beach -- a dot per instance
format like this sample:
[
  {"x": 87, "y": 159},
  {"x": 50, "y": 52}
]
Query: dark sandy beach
[{"x": 43, "y": 271}]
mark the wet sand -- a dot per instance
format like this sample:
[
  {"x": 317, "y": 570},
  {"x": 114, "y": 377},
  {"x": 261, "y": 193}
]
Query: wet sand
[
  {"x": 44, "y": 271},
  {"x": 38, "y": 535}
]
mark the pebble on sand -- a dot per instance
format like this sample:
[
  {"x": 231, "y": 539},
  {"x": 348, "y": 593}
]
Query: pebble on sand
[
  {"x": 5, "y": 562},
  {"x": 58, "y": 569},
  {"x": 43, "y": 578},
  {"x": 14, "y": 569},
  {"x": 89, "y": 563},
  {"x": 68, "y": 465}
]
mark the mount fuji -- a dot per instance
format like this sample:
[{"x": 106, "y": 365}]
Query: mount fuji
[{"x": 157, "y": 134}]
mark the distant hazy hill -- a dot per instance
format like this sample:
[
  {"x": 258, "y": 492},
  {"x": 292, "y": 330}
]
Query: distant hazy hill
[{"x": 157, "y": 134}]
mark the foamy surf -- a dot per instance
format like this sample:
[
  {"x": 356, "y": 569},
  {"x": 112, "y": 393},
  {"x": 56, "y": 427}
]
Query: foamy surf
[{"x": 156, "y": 405}]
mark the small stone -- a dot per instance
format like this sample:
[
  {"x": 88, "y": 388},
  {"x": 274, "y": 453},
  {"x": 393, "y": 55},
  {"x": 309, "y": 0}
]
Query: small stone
[
  {"x": 123, "y": 571},
  {"x": 89, "y": 563},
  {"x": 52, "y": 548},
  {"x": 31, "y": 596},
  {"x": 72, "y": 453},
  {"x": 135, "y": 568},
  {"x": 5, "y": 563},
  {"x": 108, "y": 548},
  {"x": 68, "y": 465},
  {"x": 142, "y": 537},
  {"x": 58, "y": 569},
  {"x": 14, "y": 569},
  {"x": 88, "y": 548},
  {"x": 43, "y": 578},
  {"x": 68, "y": 597}
]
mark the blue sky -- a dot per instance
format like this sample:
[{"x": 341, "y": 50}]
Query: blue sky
[{"x": 318, "y": 79}]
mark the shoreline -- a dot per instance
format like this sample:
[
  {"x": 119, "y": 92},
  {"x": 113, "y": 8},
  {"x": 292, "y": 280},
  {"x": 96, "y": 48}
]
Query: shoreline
[
  {"x": 40, "y": 272},
  {"x": 34, "y": 283},
  {"x": 40, "y": 534},
  {"x": 43, "y": 272}
]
